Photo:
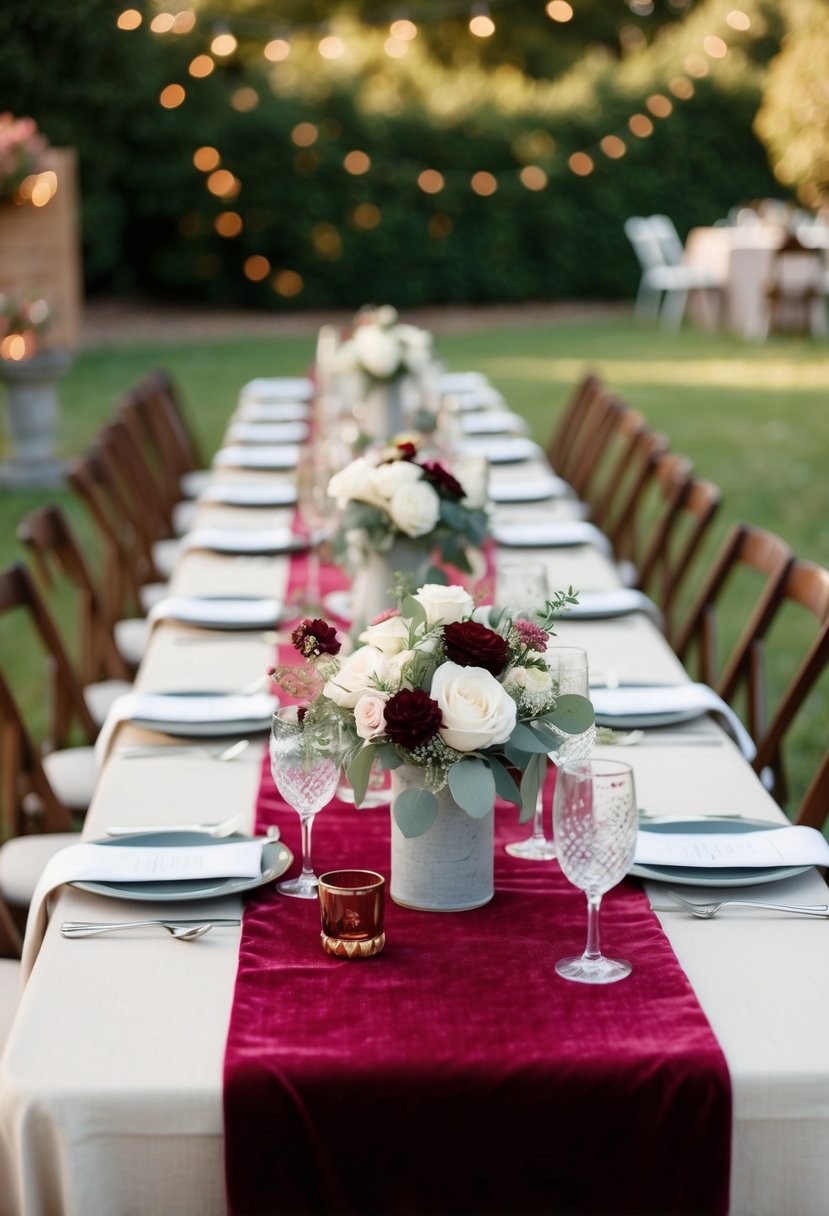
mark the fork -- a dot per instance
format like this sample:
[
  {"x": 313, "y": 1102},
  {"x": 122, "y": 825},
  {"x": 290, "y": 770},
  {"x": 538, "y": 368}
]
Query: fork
[{"x": 705, "y": 911}]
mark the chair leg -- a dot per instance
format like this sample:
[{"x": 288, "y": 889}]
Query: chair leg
[
  {"x": 647, "y": 302},
  {"x": 673, "y": 310}
]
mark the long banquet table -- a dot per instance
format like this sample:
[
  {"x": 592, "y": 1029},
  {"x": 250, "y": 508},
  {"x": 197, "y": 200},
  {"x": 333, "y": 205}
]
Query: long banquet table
[{"x": 111, "y": 1082}]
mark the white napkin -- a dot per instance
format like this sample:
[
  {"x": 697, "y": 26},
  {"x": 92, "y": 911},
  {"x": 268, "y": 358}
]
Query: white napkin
[
  {"x": 499, "y": 449},
  {"x": 272, "y": 411},
  {"x": 243, "y": 613},
  {"x": 260, "y": 456},
  {"x": 551, "y": 534},
  {"x": 249, "y": 494},
  {"x": 277, "y": 388},
  {"x": 133, "y": 863},
  {"x": 494, "y": 422},
  {"x": 615, "y": 601},
  {"x": 167, "y": 707},
  {"x": 534, "y": 489},
  {"x": 247, "y": 540},
  {"x": 795, "y": 845},
  {"x": 613, "y": 706},
  {"x": 268, "y": 432}
]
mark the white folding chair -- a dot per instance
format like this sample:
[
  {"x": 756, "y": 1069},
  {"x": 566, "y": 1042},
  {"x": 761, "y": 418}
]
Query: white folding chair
[{"x": 666, "y": 279}]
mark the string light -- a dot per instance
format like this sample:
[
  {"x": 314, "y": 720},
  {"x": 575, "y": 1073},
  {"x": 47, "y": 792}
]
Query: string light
[
  {"x": 228, "y": 223},
  {"x": 559, "y": 10},
  {"x": 715, "y": 47},
  {"x": 288, "y": 283},
  {"x": 738, "y": 20},
  {"x": 403, "y": 28},
  {"x": 356, "y": 163},
  {"x": 483, "y": 183},
  {"x": 224, "y": 43},
  {"x": 659, "y": 105},
  {"x": 480, "y": 22},
  {"x": 185, "y": 22},
  {"x": 331, "y": 47},
  {"x": 305, "y": 134},
  {"x": 207, "y": 158},
  {"x": 130, "y": 19},
  {"x": 431, "y": 181},
  {"x": 613, "y": 146},
  {"x": 276, "y": 50},
  {"x": 256, "y": 268},
  {"x": 172, "y": 96},
  {"x": 162, "y": 23},
  {"x": 201, "y": 66},
  {"x": 533, "y": 177}
]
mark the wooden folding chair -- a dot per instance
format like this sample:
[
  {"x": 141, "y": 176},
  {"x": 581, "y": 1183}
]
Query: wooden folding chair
[
  {"x": 569, "y": 422},
  {"x": 106, "y": 650},
  {"x": 656, "y": 482}
]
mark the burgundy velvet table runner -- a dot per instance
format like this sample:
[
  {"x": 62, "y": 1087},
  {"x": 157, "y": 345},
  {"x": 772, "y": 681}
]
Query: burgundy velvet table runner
[{"x": 456, "y": 1072}]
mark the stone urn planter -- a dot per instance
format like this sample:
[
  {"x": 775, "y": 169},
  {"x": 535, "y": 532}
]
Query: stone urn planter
[{"x": 33, "y": 415}]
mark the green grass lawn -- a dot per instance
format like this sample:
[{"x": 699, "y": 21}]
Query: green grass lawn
[{"x": 754, "y": 419}]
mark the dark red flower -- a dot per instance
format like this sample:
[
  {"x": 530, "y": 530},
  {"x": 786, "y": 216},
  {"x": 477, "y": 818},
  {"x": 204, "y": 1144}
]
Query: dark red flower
[
  {"x": 407, "y": 449},
  {"x": 442, "y": 479},
  {"x": 412, "y": 718},
  {"x": 313, "y": 638},
  {"x": 301, "y": 711},
  {"x": 472, "y": 645}
]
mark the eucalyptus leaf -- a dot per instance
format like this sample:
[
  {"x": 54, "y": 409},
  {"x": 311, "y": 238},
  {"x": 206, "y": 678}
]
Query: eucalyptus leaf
[
  {"x": 573, "y": 714},
  {"x": 505, "y": 784},
  {"x": 413, "y": 610},
  {"x": 528, "y": 740},
  {"x": 387, "y": 756},
  {"x": 359, "y": 771},
  {"x": 473, "y": 786},
  {"x": 531, "y": 784},
  {"x": 362, "y": 515},
  {"x": 415, "y": 810}
]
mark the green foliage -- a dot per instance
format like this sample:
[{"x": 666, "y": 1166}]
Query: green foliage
[{"x": 148, "y": 219}]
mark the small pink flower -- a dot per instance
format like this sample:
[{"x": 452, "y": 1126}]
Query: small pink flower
[
  {"x": 385, "y": 616},
  {"x": 532, "y": 635}
]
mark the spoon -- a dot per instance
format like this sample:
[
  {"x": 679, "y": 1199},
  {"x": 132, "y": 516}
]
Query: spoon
[{"x": 181, "y": 930}]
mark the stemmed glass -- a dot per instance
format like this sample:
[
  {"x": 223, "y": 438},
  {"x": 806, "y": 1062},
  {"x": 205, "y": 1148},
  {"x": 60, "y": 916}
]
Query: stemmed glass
[
  {"x": 305, "y": 764},
  {"x": 315, "y": 511},
  {"x": 595, "y": 821}
]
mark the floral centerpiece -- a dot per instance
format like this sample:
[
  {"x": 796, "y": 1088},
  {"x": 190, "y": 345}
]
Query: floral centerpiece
[
  {"x": 397, "y": 512},
  {"x": 459, "y": 709},
  {"x": 23, "y": 318},
  {"x": 384, "y": 356},
  {"x": 21, "y": 149}
]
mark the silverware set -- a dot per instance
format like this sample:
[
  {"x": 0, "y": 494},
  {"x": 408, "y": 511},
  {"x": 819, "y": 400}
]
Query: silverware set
[{"x": 181, "y": 930}]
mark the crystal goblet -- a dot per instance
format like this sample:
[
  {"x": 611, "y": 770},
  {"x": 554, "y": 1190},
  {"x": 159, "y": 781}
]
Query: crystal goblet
[
  {"x": 595, "y": 822},
  {"x": 305, "y": 764}
]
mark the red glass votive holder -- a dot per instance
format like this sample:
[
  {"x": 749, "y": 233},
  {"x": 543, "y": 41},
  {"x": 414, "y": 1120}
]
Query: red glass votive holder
[{"x": 352, "y": 904}]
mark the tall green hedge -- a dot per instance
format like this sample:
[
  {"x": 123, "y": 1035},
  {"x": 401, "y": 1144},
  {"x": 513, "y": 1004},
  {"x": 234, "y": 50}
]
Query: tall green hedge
[{"x": 148, "y": 218}]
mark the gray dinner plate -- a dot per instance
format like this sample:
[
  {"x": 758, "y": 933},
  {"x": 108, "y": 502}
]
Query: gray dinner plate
[
  {"x": 205, "y": 730},
  {"x": 276, "y": 859},
  {"x": 714, "y": 876},
  {"x": 203, "y": 621}
]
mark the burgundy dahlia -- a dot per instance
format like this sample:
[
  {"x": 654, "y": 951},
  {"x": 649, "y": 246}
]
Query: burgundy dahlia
[
  {"x": 442, "y": 479},
  {"x": 412, "y": 718},
  {"x": 315, "y": 637},
  {"x": 472, "y": 645},
  {"x": 407, "y": 449}
]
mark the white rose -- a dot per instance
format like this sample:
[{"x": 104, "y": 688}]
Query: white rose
[
  {"x": 369, "y": 715},
  {"x": 377, "y": 350},
  {"x": 387, "y": 479},
  {"x": 354, "y": 483},
  {"x": 477, "y": 711},
  {"x": 415, "y": 508},
  {"x": 531, "y": 679},
  {"x": 389, "y": 636},
  {"x": 357, "y": 677},
  {"x": 446, "y": 604},
  {"x": 385, "y": 315},
  {"x": 396, "y": 664}
]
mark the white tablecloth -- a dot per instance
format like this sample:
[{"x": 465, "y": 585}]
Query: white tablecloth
[{"x": 111, "y": 1083}]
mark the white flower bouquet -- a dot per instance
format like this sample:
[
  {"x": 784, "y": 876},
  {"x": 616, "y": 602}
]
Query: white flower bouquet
[
  {"x": 389, "y": 494},
  {"x": 384, "y": 348},
  {"x": 471, "y": 705}
]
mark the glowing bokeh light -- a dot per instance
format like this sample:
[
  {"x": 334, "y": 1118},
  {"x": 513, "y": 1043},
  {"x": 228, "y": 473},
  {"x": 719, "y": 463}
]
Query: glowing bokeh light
[
  {"x": 715, "y": 47},
  {"x": 581, "y": 164},
  {"x": 681, "y": 87},
  {"x": 288, "y": 283},
  {"x": 431, "y": 181},
  {"x": 738, "y": 20},
  {"x": 533, "y": 177},
  {"x": 640, "y": 125},
  {"x": 201, "y": 66},
  {"x": 659, "y": 105},
  {"x": 185, "y": 22},
  {"x": 13, "y": 347},
  {"x": 277, "y": 50},
  {"x": 130, "y": 19},
  {"x": 481, "y": 25},
  {"x": 162, "y": 23},
  {"x": 483, "y": 183},
  {"x": 256, "y": 268},
  {"x": 356, "y": 162},
  {"x": 613, "y": 146},
  {"x": 326, "y": 240},
  {"x": 172, "y": 96},
  {"x": 228, "y": 223},
  {"x": 223, "y": 184},
  {"x": 559, "y": 10},
  {"x": 244, "y": 99},
  {"x": 366, "y": 216},
  {"x": 207, "y": 158},
  {"x": 396, "y": 48},
  {"x": 331, "y": 47},
  {"x": 304, "y": 134},
  {"x": 403, "y": 28},
  {"x": 44, "y": 188},
  {"x": 224, "y": 44}
]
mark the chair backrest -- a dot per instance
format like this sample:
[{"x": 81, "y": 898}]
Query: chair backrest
[
  {"x": 48, "y": 536},
  {"x": 23, "y": 777},
  {"x": 126, "y": 568},
  {"x": 654, "y": 480},
  {"x": 806, "y": 586},
  {"x": 601, "y": 418},
  {"x": 570, "y": 421},
  {"x": 646, "y": 244},
  {"x": 668, "y": 239},
  {"x": 689, "y": 506},
  {"x": 151, "y": 411},
  {"x": 765, "y": 559}
]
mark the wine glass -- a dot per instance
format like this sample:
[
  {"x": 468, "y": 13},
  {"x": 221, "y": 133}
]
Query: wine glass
[
  {"x": 595, "y": 821},
  {"x": 305, "y": 764},
  {"x": 521, "y": 587},
  {"x": 569, "y": 668},
  {"x": 315, "y": 511}
]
